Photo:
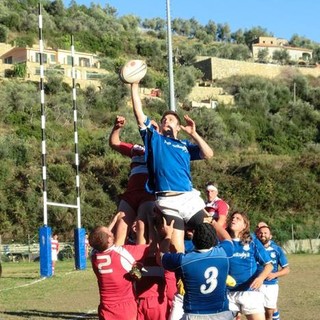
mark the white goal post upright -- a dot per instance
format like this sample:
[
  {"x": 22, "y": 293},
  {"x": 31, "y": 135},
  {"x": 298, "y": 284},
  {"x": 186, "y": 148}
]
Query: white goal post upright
[{"x": 45, "y": 230}]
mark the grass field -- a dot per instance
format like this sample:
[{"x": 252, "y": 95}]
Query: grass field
[{"x": 72, "y": 294}]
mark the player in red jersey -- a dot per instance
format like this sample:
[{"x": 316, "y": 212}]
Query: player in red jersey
[
  {"x": 216, "y": 207},
  {"x": 54, "y": 250},
  {"x": 112, "y": 266},
  {"x": 136, "y": 202}
]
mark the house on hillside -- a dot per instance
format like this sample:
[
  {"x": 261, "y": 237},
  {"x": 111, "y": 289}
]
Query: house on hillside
[
  {"x": 272, "y": 44},
  {"x": 87, "y": 65}
]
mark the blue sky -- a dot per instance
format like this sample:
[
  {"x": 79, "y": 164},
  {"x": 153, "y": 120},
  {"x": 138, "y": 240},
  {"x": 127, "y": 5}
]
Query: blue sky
[{"x": 281, "y": 17}]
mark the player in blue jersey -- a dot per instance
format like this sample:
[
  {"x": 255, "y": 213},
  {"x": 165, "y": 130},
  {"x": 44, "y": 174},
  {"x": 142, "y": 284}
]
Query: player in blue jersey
[
  {"x": 270, "y": 287},
  {"x": 245, "y": 297},
  {"x": 203, "y": 271},
  {"x": 168, "y": 161}
]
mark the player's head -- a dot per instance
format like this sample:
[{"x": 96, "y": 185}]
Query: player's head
[
  {"x": 204, "y": 236},
  {"x": 170, "y": 123},
  {"x": 259, "y": 225},
  {"x": 239, "y": 226},
  {"x": 264, "y": 234},
  {"x": 211, "y": 190},
  {"x": 101, "y": 238}
]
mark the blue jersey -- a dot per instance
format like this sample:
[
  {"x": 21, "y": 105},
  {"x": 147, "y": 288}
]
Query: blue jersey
[
  {"x": 278, "y": 258},
  {"x": 204, "y": 276},
  {"x": 244, "y": 263},
  {"x": 188, "y": 245},
  {"x": 168, "y": 161}
]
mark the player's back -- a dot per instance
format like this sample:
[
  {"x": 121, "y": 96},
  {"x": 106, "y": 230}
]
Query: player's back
[
  {"x": 112, "y": 270},
  {"x": 204, "y": 276}
]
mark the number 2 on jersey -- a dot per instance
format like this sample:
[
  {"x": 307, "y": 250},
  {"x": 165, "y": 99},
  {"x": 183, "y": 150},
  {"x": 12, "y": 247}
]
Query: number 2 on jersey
[{"x": 102, "y": 266}]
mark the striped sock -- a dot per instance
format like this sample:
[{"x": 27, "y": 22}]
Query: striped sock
[{"x": 276, "y": 315}]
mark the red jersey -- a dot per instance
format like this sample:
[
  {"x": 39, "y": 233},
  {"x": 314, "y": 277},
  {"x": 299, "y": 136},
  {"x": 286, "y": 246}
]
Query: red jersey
[
  {"x": 54, "y": 245},
  {"x": 136, "y": 153},
  {"x": 112, "y": 268},
  {"x": 135, "y": 193},
  {"x": 217, "y": 208},
  {"x": 152, "y": 282}
]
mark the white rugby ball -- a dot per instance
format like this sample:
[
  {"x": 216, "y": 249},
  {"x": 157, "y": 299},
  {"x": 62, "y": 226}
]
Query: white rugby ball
[{"x": 133, "y": 71}]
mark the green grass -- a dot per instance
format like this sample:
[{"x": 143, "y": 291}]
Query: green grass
[{"x": 72, "y": 294}]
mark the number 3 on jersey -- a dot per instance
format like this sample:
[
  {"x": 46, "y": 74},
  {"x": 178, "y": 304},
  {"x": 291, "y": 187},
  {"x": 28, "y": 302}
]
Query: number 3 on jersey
[
  {"x": 102, "y": 266},
  {"x": 211, "y": 275}
]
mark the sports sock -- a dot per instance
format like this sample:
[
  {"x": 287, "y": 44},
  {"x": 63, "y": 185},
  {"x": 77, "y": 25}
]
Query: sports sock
[{"x": 276, "y": 315}]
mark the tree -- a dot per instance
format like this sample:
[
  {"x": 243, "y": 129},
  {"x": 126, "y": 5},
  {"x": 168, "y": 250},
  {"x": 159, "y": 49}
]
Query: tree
[
  {"x": 281, "y": 56},
  {"x": 211, "y": 29},
  {"x": 20, "y": 70},
  {"x": 238, "y": 37},
  {"x": 185, "y": 78},
  {"x": 130, "y": 22},
  {"x": 263, "y": 55},
  {"x": 4, "y": 31},
  {"x": 255, "y": 33},
  {"x": 223, "y": 32},
  {"x": 298, "y": 41}
]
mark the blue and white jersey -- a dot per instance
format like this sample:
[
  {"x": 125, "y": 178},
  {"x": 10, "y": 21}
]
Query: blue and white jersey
[
  {"x": 278, "y": 258},
  {"x": 204, "y": 274},
  {"x": 244, "y": 263},
  {"x": 168, "y": 161}
]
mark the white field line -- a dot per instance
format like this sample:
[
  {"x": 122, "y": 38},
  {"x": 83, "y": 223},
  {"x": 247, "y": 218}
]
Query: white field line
[
  {"x": 33, "y": 282},
  {"x": 83, "y": 316},
  {"x": 24, "y": 285}
]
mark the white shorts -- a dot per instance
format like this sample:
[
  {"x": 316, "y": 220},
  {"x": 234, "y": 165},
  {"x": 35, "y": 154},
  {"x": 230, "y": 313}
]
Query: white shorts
[
  {"x": 177, "y": 307},
  {"x": 270, "y": 292},
  {"x": 226, "y": 315},
  {"x": 183, "y": 206},
  {"x": 246, "y": 302},
  {"x": 54, "y": 255}
]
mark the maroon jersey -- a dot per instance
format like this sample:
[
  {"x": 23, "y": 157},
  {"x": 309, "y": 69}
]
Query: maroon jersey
[{"x": 112, "y": 268}]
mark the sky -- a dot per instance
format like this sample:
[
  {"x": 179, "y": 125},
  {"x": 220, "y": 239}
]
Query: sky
[{"x": 283, "y": 18}]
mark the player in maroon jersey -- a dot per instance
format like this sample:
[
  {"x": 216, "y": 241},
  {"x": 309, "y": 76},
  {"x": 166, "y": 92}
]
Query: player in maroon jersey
[
  {"x": 136, "y": 202},
  {"x": 112, "y": 266}
]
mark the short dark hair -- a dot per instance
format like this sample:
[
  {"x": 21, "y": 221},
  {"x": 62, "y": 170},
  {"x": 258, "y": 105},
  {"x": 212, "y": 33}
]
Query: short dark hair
[
  {"x": 98, "y": 239},
  {"x": 173, "y": 113},
  {"x": 204, "y": 236}
]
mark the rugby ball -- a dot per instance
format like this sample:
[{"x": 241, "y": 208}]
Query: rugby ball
[{"x": 133, "y": 71}]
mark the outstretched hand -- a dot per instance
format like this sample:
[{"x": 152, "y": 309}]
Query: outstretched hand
[
  {"x": 168, "y": 229},
  {"x": 190, "y": 127}
]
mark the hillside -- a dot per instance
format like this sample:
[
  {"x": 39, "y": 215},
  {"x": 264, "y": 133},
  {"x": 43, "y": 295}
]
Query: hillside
[{"x": 266, "y": 145}]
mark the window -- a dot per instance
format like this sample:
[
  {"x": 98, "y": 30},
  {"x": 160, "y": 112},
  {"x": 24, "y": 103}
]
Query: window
[
  {"x": 69, "y": 60},
  {"x": 8, "y": 60},
  {"x": 44, "y": 55},
  {"x": 94, "y": 75}
]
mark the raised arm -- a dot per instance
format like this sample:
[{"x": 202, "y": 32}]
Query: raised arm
[
  {"x": 190, "y": 128},
  {"x": 222, "y": 234},
  {"x": 137, "y": 105},
  {"x": 114, "y": 138}
]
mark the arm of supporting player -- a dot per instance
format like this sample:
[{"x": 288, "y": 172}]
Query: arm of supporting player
[
  {"x": 137, "y": 105},
  {"x": 258, "y": 281},
  {"x": 282, "y": 272},
  {"x": 222, "y": 234},
  {"x": 166, "y": 241}
]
